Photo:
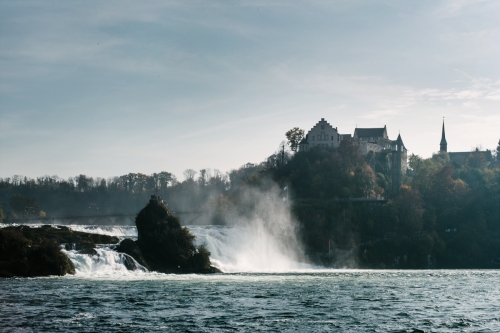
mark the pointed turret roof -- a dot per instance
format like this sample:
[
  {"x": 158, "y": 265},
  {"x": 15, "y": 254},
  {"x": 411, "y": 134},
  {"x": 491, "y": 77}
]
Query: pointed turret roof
[
  {"x": 400, "y": 141},
  {"x": 443, "y": 137}
]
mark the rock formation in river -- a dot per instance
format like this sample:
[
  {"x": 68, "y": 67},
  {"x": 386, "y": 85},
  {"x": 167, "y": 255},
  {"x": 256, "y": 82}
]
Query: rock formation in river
[
  {"x": 163, "y": 244},
  {"x": 35, "y": 251},
  {"x": 21, "y": 256}
]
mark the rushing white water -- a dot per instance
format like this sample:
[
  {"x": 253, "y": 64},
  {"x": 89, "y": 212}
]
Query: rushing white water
[
  {"x": 246, "y": 249},
  {"x": 233, "y": 249},
  {"x": 115, "y": 230},
  {"x": 118, "y": 231},
  {"x": 105, "y": 262}
]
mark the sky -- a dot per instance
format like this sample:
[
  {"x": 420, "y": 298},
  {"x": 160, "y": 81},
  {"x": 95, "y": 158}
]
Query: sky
[{"x": 105, "y": 88}]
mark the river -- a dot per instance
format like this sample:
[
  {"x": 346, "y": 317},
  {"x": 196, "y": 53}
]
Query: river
[{"x": 291, "y": 297}]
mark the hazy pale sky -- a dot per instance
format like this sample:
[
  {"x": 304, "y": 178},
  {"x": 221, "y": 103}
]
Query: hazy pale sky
[{"x": 105, "y": 88}]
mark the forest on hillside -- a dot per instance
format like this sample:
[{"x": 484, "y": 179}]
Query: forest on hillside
[{"x": 446, "y": 215}]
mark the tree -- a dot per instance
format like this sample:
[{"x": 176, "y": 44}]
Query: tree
[
  {"x": 205, "y": 175},
  {"x": 24, "y": 206},
  {"x": 164, "y": 178},
  {"x": 83, "y": 183},
  {"x": 282, "y": 155},
  {"x": 2, "y": 216},
  {"x": 498, "y": 151},
  {"x": 294, "y": 137},
  {"x": 476, "y": 159},
  {"x": 408, "y": 210},
  {"x": 189, "y": 174}
]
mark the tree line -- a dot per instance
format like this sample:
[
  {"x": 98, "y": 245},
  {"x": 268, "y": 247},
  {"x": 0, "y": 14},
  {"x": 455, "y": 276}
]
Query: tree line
[{"x": 24, "y": 197}]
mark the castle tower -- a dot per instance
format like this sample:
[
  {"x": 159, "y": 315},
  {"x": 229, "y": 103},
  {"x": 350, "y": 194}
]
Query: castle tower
[
  {"x": 396, "y": 161},
  {"x": 443, "y": 146}
]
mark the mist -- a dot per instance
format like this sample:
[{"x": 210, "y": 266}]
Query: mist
[{"x": 260, "y": 234}]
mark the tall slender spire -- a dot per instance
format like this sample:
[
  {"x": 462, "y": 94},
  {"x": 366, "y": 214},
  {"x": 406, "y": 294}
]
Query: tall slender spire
[{"x": 443, "y": 146}]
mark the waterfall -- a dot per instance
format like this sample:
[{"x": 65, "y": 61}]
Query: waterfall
[
  {"x": 247, "y": 249},
  {"x": 104, "y": 262},
  {"x": 234, "y": 249}
]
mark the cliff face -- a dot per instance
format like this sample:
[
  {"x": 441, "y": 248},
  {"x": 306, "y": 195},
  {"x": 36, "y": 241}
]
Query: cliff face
[{"x": 163, "y": 244}]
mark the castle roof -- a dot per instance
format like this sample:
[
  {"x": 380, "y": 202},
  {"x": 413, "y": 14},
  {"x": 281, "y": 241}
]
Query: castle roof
[
  {"x": 323, "y": 122},
  {"x": 370, "y": 132},
  {"x": 400, "y": 141}
]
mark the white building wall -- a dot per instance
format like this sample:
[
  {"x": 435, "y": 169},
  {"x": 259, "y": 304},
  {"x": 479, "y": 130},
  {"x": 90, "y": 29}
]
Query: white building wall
[
  {"x": 323, "y": 135},
  {"x": 366, "y": 147}
]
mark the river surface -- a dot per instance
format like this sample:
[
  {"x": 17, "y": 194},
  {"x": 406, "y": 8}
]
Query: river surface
[{"x": 105, "y": 297}]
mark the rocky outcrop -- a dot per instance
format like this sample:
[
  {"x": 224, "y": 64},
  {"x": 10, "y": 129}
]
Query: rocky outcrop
[
  {"x": 29, "y": 252},
  {"x": 74, "y": 240},
  {"x": 163, "y": 245},
  {"x": 130, "y": 247},
  {"x": 20, "y": 256}
]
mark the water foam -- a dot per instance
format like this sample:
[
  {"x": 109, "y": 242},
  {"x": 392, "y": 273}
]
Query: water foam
[
  {"x": 118, "y": 231},
  {"x": 106, "y": 262},
  {"x": 247, "y": 249},
  {"x": 251, "y": 248},
  {"x": 235, "y": 249}
]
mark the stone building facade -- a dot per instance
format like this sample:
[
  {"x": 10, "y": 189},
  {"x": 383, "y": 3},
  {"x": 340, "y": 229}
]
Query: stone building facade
[
  {"x": 372, "y": 139},
  {"x": 321, "y": 135}
]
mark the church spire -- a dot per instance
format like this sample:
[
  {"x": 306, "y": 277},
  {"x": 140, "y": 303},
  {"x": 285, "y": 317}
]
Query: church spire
[{"x": 443, "y": 146}]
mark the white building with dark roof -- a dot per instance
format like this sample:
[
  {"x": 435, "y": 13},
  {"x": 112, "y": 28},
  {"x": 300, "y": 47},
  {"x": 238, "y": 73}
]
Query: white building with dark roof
[
  {"x": 372, "y": 139},
  {"x": 321, "y": 135}
]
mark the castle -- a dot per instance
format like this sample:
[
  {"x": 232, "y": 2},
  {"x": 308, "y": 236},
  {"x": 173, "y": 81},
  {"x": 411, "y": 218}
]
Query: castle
[
  {"x": 325, "y": 135},
  {"x": 370, "y": 140},
  {"x": 375, "y": 141}
]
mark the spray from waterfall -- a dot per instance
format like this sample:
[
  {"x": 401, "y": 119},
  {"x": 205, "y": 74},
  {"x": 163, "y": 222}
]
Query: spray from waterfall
[{"x": 262, "y": 236}]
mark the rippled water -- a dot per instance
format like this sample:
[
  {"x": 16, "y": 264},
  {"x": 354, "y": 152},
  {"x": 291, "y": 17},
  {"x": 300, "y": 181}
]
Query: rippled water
[
  {"x": 328, "y": 300},
  {"x": 292, "y": 297}
]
